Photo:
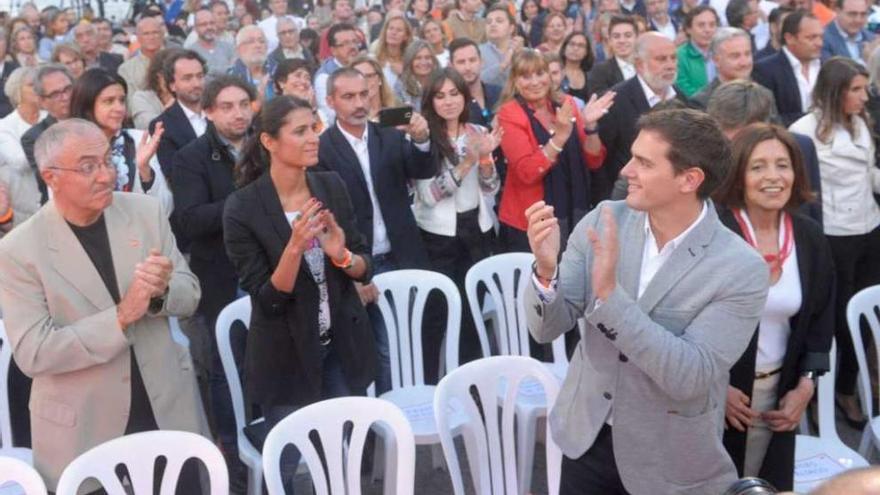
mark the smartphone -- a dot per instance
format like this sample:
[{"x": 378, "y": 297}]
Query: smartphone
[{"x": 393, "y": 117}]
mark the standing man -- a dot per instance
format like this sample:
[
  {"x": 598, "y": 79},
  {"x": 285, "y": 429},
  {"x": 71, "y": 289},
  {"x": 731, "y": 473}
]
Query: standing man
[
  {"x": 654, "y": 82},
  {"x": 465, "y": 58},
  {"x": 846, "y": 35},
  {"x": 622, "y": 34},
  {"x": 376, "y": 164},
  {"x": 184, "y": 73},
  {"x": 465, "y": 21},
  {"x": 671, "y": 299},
  {"x": 269, "y": 25},
  {"x": 151, "y": 35},
  {"x": 86, "y": 36},
  {"x": 217, "y": 53},
  {"x": 791, "y": 73},
  {"x": 89, "y": 283},
  {"x": 731, "y": 51},
  {"x": 53, "y": 84},
  {"x": 253, "y": 64}
]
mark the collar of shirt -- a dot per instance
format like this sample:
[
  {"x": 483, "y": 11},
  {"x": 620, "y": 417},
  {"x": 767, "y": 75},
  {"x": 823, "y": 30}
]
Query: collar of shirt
[
  {"x": 858, "y": 38},
  {"x": 796, "y": 63},
  {"x": 190, "y": 115},
  {"x": 229, "y": 146},
  {"x": 671, "y": 245},
  {"x": 625, "y": 67},
  {"x": 355, "y": 141},
  {"x": 652, "y": 97},
  {"x": 653, "y": 258}
]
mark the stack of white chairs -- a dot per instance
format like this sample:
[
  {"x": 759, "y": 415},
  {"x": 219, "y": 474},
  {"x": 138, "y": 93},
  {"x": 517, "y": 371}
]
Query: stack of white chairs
[{"x": 865, "y": 304}]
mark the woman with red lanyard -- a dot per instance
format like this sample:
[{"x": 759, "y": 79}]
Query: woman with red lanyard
[
  {"x": 549, "y": 146},
  {"x": 773, "y": 381}
]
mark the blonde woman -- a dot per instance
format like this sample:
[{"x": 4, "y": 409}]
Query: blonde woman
[
  {"x": 419, "y": 64},
  {"x": 393, "y": 40},
  {"x": 23, "y": 46},
  {"x": 381, "y": 95}
]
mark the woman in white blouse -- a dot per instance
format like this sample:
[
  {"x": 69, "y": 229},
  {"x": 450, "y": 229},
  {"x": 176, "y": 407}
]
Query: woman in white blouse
[
  {"x": 14, "y": 168},
  {"x": 838, "y": 125},
  {"x": 99, "y": 96},
  {"x": 453, "y": 208}
]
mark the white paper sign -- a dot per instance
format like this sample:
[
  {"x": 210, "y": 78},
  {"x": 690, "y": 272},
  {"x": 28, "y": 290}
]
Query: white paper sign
[{"x": 817, "y": 468}]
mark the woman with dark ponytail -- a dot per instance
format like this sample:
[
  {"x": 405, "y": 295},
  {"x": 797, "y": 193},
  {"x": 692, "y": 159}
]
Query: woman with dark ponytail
[{"x": 290, "y": 233}]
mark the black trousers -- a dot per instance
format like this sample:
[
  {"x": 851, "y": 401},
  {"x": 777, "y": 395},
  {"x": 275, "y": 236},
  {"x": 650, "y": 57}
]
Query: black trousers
[
  {"x": 857, "y": 265},
  {"x": 595, "y": 472}
]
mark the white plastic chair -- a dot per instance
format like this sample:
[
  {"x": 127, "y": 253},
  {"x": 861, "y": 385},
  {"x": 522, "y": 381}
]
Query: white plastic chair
[
  {"x": 17, "y": 476},
  {"x": 505, "y": 277},
  {"x": 342, "y": 425},
  {"x": 402, "y": 297},
  {"x": 6, "y": 447},
  {"x": 863, "y": 305},
  {"x": 139, "y": 452},
  {"x": 490, "y": 445},
  {"x": 827, "y": 446},
  {"x": 239, "y": 310}
]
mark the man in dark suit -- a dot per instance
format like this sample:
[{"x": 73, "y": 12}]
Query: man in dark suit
[
  {"x": 465, "y": 58},
  {"x": 731, "y": 51},
  {"x": 203, "y": 178},
  {"x": 791, "y": 73},
  {"x": 86, "y": 36},
  {"x": 846, "y": 35},
  {"x": 54, "y": 86},
  {"x": 376, "y": 163},
  {"x": 655, "y": 75},
  {"x": 622, "y": 34},
  {"x": 6, "y": 68},
  {"x": 184, "y": 121}
]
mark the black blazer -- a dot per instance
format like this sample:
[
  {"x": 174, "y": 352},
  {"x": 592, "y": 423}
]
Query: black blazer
[
  {"x": 282, "y": 364},
  {"x": 6, "y": 105},
  {"x": 812, "y": 209},
  {"x": 617, "y": 130},
  {"x": 393, "y": 162},
  {"x": 808, "y": 344},
  {"x": 603, "y": 76},
  {"x": 484, "y": 116},
  {"x": 203, "y": 179},
  {"x": 110, "y": 61},
  {"x": 28, "y": 139},
  {"x": 776, "y": 74},
  {"x": 178, "y": 133}
]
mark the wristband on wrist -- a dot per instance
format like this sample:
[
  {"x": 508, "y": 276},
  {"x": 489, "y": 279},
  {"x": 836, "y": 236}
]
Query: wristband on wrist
[
  {"x": 590, "y": 132},
  {"x": 486, "y": 160},
  {"x": 7, "y": 217},
  {"x": 553, "y": 145},
  {"x": 346, "y": 262}
]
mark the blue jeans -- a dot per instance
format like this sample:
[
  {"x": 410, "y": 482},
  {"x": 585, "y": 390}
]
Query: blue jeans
[
  {"x": 381, "y": 264},
  {"x": 332, "y": 385}
]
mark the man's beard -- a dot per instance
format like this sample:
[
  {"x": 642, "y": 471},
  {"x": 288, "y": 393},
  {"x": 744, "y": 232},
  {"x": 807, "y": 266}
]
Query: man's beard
[{"x": 253, "y": 60}]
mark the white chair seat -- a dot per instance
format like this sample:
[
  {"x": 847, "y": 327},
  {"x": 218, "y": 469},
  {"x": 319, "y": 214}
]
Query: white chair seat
[
  {"x": 17, "y": 476},
  {"x": 417, "y": 404},
  {"x": 22, "y": 454},
  {"x": 816, "y": 458}
]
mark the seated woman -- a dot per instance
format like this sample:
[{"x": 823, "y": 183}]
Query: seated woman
[
  {"x": 99, "y": 96},
  {"x": 773, "y": 382},
  {"x": 293, "y": 77},
  {"x": 69, "y": 55},
  {"x": 291, "y": 235},
  {"x": 453, "y": 209},
  {"x": 419, "y": 65},
  {"x": 381, "y": 95},
  {"x": 549, "y": 146}
]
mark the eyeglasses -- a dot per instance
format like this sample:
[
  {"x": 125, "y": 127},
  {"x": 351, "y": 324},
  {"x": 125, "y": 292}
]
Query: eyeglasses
[
  {"x": 89, "y": 169},
  {"x": 286, "y": 32},
  {"x": 348, "y": 43},
  {"x": 58, "y": 94}
]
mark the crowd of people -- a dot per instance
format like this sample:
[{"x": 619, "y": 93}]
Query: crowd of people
[{"x": 742, "y": 135}]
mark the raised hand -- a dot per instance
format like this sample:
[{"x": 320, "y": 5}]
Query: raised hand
[
  {"x": 332, "y": 237},
  {"x": 306, "y": 227},
  {"x": 596, "y": 108},
  {"x": 418, "y": 128},
  {"x": 564, "y": 121},
  {"x": 605, "y": 253},
  {"x": 147, "y": 149},
  {"x": 543, "y": 233}
]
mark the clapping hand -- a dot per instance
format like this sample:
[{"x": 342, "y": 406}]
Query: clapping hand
[
  {"x": 544, "y": 239},
  {"x": 605, "y": 254},
  {"x": 306, "y": 227},
  {"x": 147, "y": 149},
  {"x": 331, "y": 237},
  {"x": 156, "y": 271},
  {"x": 150, "y": 280},
  {"x": 564, "y": 120},
  {"x": 596, "y": 108}
]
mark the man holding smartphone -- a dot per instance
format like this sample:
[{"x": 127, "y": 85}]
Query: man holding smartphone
[{"x": 376, "y": 163}]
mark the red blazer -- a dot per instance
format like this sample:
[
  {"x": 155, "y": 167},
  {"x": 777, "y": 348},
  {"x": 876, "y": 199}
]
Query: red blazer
[{"x": 526, "y": 163}]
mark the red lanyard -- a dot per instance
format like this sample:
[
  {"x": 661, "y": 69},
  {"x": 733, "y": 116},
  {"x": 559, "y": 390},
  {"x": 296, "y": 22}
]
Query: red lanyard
[{"x": 774, "y": 261}]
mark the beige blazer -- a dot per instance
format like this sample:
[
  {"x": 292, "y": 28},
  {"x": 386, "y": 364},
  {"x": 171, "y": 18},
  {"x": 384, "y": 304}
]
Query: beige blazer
[{"x": 62, "y": 326}]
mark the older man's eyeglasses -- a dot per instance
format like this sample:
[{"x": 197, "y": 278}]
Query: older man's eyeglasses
[
  {"x": 58, "y": 94},
  {"x": 90, "y": 169}
]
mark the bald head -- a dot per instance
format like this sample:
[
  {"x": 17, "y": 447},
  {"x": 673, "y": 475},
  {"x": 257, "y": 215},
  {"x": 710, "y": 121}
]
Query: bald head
[
  {"x": 865, "y": 481},
  {"x": 62, "y": 138}
]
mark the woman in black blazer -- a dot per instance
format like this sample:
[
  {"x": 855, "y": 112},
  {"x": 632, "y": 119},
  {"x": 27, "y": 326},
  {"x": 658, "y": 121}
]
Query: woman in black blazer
[
  {"x": 773, "y": 382},
  {"x": 291, "y": 236}
]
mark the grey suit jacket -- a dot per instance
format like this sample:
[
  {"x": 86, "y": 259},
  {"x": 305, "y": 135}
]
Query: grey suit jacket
[
  {"x": 62, "y": 325},
  {"x": 659, "y": 362}
]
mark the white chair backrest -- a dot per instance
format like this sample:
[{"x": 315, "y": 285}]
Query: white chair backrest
[
  {"x": 5, "y": 362},
  {"x": 341, "y": 425},
  {"x": 139, "y": 452},
  {"x": 13, "y": 470},
  {"x": 490, "y": 443},
  {"x": 402, "y": 297},
  {"x": 238, "y": 310},
  {"x": 864, "y": 304},
  {"x": 505, "y": 277},
  {"x": 825, "y": 399}
]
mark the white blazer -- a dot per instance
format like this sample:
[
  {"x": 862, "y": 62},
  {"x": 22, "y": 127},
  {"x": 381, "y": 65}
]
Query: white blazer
[{"x": 849, "y": 177}]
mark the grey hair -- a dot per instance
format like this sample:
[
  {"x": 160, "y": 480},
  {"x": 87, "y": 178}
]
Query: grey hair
[
  {"x": 723, "y": 34},
  {"x": 245, "y": 31},
  {"x": 737, "y": 104},
  {"x": 644, "y": 40},
  {"x": 17, "y": 80},
  {"x": 143, "y": 20},
  {"x": 50, "y": 144},
  {"x": 46, "y": 70},
  {"x": 286, "y": 19}
]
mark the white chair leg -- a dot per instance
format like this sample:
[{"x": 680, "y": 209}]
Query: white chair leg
[
  {"x": 525, "y": 450},
  {"x": 379, "y": 454},
  {"x": 255, "y": 481},
  {"x": 471, "y": 449},
  {"x": 437, "y": 460},
  {"x": 388, "y": 484},
  {"x": 867, "y": 441}
]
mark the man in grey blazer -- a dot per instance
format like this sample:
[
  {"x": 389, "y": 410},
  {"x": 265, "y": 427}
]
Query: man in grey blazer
[{"x": 669, "y": 306}]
